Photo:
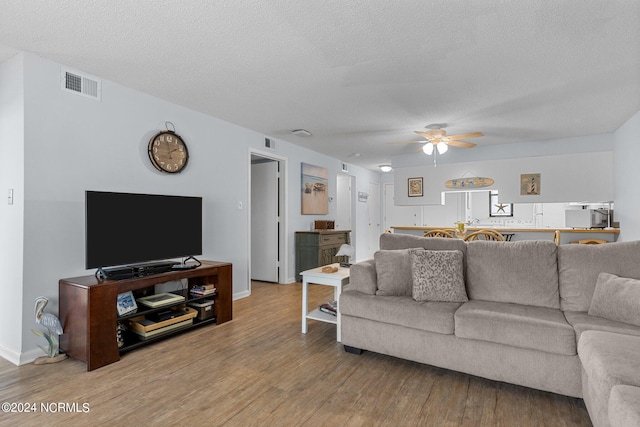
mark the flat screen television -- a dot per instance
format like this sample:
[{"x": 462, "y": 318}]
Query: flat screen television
[{"x": 128, "y": 228}]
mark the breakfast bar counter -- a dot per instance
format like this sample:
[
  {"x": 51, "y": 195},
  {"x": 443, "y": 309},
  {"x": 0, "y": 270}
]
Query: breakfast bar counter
[{"x": 567, "y": 235}]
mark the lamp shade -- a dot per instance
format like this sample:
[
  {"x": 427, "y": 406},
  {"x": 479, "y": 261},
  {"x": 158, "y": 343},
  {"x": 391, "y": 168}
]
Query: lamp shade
[
  {"x": 428, "y": 148},
  {"x": 346, "y": 250},
  {"x": 442, "y": 147}
]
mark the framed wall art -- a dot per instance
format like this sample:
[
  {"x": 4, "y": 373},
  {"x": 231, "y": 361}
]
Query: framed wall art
[
  {"x": 315, "y": 181},
  {"x": 530, "y": 184},
  {"x": 415, "y": 187}
]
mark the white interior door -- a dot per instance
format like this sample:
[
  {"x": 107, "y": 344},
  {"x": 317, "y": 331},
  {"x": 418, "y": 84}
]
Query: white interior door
[{"x": 264, "y": 221}]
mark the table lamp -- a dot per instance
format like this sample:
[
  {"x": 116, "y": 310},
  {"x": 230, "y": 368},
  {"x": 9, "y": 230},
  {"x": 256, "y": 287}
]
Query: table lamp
[{"x": 348, "y": 251}]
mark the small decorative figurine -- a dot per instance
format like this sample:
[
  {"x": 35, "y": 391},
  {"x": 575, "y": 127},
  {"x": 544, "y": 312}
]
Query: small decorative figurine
[{"x": 54, "y": 328}]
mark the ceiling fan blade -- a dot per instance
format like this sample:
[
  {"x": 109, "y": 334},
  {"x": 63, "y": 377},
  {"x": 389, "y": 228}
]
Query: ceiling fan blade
[
  {"x": 461, "y": 144},
  {"x": 408, "y": 142},
  {"x": 465, "y": 135},
  {"x": 427, "y": 135}
]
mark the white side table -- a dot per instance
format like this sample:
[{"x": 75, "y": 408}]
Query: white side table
[{"x": 316, "y": 276}]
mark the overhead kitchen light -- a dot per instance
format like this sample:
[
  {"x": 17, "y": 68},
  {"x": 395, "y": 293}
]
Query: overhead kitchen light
[
  {"x": 385, "y": 168},
  {"x": 301, "y": 132}
]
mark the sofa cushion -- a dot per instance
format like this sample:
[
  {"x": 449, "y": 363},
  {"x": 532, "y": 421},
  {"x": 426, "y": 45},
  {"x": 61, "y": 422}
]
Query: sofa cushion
[
  {"x": 537, "y": 328},
  {"x": 393, "y": 268},
  {"x": 616, "y": 298},
  {"x": 580, "y": 265},
  {"x": 437, "y": 276},
  {"x": 404, "y": 311},
  {"x": 624, "y": 406},
  {"x": 524, "y": 272},
  {"x": 581, "y": 321},
  {"x": 608, "y": 359}
]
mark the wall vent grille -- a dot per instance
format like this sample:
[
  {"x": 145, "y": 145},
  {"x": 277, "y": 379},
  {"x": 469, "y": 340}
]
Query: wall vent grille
[{"x": 80, "y": 84}]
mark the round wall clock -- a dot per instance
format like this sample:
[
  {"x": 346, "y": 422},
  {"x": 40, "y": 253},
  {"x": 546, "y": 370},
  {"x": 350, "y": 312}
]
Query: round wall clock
[{"x": 168, "y": 152}]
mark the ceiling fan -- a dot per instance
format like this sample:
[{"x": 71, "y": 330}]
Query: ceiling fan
[{"x": 436, "y": 137}]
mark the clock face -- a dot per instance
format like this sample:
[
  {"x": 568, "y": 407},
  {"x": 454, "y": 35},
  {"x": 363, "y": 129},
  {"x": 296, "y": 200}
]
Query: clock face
[{"x": 168, "y": 152}]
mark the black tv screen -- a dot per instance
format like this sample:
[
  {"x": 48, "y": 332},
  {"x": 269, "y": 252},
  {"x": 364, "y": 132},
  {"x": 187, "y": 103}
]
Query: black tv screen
[{"x": 127, "y": 228}]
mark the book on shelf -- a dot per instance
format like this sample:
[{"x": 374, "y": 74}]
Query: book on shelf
[
  {"x": 330, "y": 307},
  {"x": 202, "y": 290}
]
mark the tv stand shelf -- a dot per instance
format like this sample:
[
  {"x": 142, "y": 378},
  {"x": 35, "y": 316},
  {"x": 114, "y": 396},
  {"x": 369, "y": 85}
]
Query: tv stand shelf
[
  {"x": 133, "y": 341},
  {"x": 87, "y": 308}
]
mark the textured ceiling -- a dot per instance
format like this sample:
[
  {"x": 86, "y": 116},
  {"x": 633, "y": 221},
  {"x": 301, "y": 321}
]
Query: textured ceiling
[{"x": 358, "y": 73}]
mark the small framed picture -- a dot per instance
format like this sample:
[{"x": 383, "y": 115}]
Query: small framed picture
[
  {"x": 415, "y": 187},
  {"x": 126, "y": 303},
  {"x": 530, "y": 184}
]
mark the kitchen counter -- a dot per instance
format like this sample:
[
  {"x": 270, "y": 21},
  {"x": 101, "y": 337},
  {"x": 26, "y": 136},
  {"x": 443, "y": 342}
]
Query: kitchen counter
[{"x": 567, "y": 235}]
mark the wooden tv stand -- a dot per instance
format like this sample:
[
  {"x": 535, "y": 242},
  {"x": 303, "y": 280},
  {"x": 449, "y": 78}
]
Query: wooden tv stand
[{"x": 87, "y": 309}]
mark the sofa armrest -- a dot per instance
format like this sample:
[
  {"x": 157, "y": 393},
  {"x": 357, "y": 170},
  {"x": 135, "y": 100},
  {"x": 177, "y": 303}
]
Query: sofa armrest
[{"x": 363, "y": 277}]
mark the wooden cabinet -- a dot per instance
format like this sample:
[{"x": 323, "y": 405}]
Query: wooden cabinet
[
  {"x": 318, "y": 248},
  {"x": 87, "y": 308}
]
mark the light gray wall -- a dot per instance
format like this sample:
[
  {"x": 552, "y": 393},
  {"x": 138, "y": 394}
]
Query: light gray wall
[
  {"x": 11, "y": 216},
  {"x": 73, "y": 143},
  {"x": 564, "y": 178},
  {"x": 627, "y": 188}
]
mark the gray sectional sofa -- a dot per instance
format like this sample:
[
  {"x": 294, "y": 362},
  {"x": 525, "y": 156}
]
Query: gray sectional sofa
[{"x": 529, "y": 313}]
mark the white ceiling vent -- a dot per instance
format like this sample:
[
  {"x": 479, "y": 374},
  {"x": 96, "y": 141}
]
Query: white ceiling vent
[{"x": 81, "y": 84}]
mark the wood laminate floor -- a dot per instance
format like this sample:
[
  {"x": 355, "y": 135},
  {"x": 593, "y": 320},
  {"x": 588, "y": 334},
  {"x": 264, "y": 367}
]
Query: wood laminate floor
[{"x": 260, "y": 370}]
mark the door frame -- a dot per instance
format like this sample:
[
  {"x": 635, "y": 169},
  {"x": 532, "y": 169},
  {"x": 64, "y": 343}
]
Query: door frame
[{"x": 284, "y": 215}]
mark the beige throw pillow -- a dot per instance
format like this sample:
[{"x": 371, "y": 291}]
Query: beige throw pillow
[
  {"x": 616, "y": 298},
  {"x": 437, "y": 276},
  {"x": 393, "y": 268}
]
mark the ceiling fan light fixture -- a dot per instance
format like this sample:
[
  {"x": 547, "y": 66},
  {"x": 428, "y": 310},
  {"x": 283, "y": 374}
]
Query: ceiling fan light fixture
[
  {"x": 442, "y": 147},
  {"x": 428, "y": 148},
  {"x": 385, "y": 168}
]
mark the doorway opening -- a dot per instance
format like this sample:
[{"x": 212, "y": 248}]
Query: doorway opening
[{"x": 267, "y": 218}]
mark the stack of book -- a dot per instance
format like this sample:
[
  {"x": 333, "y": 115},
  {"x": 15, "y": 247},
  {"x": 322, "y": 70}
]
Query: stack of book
[
  {"x": 202, "y": 290},
  {"x": 330, "y": 307}
]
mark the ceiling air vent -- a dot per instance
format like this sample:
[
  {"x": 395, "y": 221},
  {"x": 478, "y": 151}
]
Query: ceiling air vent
[{"x": 81, "y": 84}]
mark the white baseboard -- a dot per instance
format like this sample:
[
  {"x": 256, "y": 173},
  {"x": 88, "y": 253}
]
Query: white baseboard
[
  {"x": 11, "y": 355},
  {"x": 31, "y": 355},
  {"x": 241, "y": 295},
  {"x": 20, "y": 358}
]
